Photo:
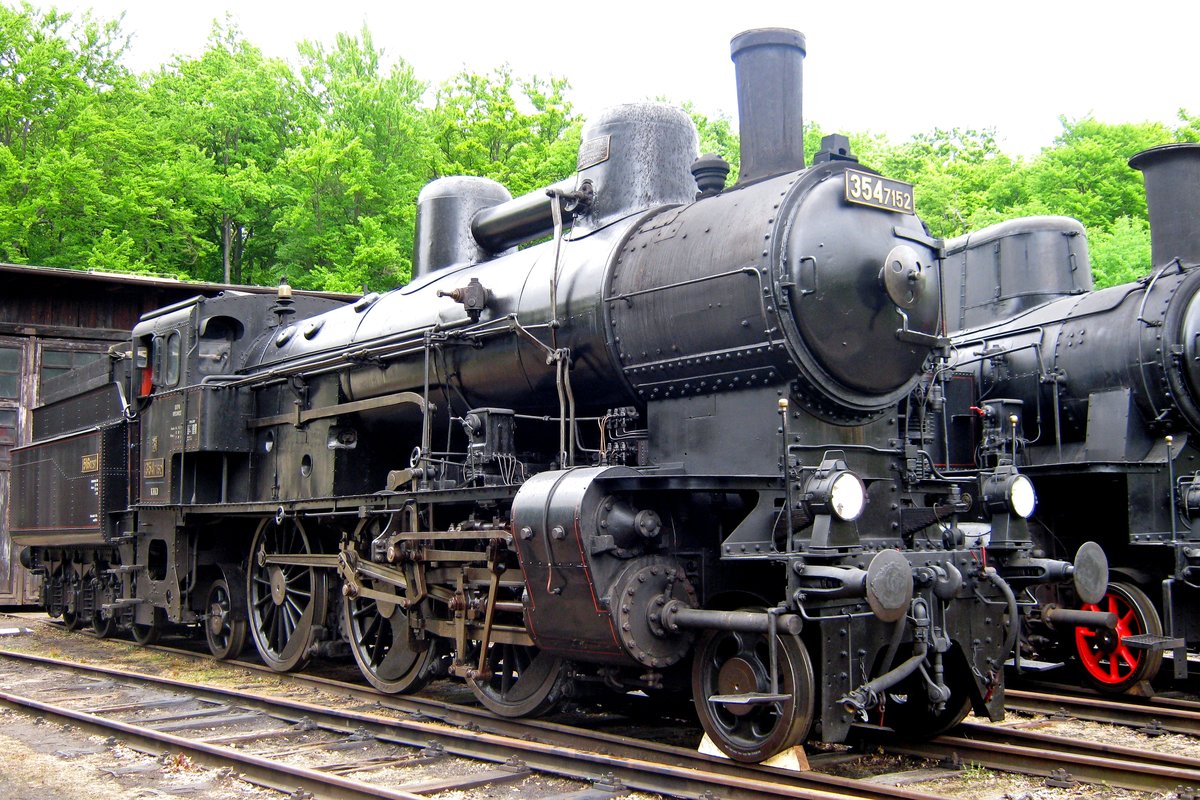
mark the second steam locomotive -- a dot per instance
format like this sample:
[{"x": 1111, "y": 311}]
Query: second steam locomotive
[
  {"x": 659, "y": 451},
  {"x": 1096, "y": 395}
]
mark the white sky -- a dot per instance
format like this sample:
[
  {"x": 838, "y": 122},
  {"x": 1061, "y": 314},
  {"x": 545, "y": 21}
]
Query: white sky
[{"x": 897, "y": 67}]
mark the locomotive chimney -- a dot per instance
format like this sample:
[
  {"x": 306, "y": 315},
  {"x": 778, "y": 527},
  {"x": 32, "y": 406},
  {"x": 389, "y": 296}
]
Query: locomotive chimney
[
  {"x": 768, "y": 63},
  {"x": 1172, "y": 173}
]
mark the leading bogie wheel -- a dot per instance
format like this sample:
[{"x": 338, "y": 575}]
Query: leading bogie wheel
[
  {"x": 225, "y": 627},
  {"x": 907, "y": 709},
  {"x": 524, "y": 681},
  {"x": 738, "y": 663},
  {"x": 287, "y": 602},
  {"x": 1108, "y": 663}
]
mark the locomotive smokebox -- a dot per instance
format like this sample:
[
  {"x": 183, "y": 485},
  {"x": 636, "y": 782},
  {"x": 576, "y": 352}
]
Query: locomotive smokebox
[
  {"x": 1172, "y": 173},
  {"x": 769, "y": 62}
]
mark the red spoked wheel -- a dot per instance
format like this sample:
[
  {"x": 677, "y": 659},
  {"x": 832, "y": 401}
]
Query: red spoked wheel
[{"x": 1108, "y": 663}]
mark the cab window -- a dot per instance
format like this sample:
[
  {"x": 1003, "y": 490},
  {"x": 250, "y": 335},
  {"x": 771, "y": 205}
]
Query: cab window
[
  {"x": 144, "y": 360},
  {"x": 171, "y": 359}
]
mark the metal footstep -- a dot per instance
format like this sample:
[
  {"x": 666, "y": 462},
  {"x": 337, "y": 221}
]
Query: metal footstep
[{"x": 749, "y": 699}]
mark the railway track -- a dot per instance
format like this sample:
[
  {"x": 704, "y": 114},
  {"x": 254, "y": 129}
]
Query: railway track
[
  {"x": 1061, "y": 760},
  {"x": 613, "y": 759},
  {"x": 1170, "y": 715},
  {"x": 257, "y": 734}
]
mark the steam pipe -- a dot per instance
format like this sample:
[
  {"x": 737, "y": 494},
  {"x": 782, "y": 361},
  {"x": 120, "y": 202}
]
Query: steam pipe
[
  {"x": 676, "y": 616},
  {"x": 519, "y": 220},
  {"x": 768, "y": 63},
  {"x": 867, "y": 695}
]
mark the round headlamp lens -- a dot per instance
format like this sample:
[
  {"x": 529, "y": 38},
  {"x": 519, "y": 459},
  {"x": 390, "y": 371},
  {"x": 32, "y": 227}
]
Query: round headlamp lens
[
  {"x": 847, "y": 496},
  {"x": 1021, "y": 496}
]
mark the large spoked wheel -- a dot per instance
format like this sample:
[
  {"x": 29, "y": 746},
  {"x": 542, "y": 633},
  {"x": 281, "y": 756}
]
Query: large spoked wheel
[
  {"x": 149, "y": 633},
  {"x": 733, "y": 663},
  {"x": 525, "y": 681},
  {"x": 287, "y": 602},
  {"x": 225, "y": 628},
  {"x": 383, "y": 646},
  {"x": 1109, "y": 664}
]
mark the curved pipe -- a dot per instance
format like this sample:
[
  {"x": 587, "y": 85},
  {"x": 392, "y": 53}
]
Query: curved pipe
[
  {"x": 867, "y": 695},
  {"x": 1014, "y": 622}
]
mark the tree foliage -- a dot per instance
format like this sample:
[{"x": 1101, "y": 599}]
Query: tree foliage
[
  {"x": 234, "y": 166},
  {"x": 520, "y": 132},
  {"x": 228, "y": 117}
]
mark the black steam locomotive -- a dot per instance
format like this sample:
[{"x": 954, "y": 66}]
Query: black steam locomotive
[
  {"x": 1095, "y": 395},
  {"x": 659, "y": 451}
]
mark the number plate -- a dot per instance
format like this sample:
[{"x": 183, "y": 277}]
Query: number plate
[{"x": 872, "y": 190}]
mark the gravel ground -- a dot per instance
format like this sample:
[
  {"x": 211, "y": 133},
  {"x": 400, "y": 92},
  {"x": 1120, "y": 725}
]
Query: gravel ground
[{"x": 40, "y": 759}]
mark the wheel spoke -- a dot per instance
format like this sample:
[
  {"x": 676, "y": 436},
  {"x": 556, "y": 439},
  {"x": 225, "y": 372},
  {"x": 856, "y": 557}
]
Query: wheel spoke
[{"x": 1126, "y": 656}]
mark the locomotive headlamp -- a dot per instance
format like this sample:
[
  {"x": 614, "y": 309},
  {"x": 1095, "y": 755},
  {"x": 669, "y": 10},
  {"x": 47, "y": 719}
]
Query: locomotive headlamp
[
  {"x": 1006, "y": 490},
  {"x": 848, "y": 496},
  {"x": 1021, "y": 496},
  {"x": 837, "y": 491}
]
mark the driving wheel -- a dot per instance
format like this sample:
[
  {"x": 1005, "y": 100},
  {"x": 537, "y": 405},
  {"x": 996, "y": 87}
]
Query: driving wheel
[
  {"x": 287, "y": 602},
  {"x": 383, "y": 645},
  {"x": 524, "y": 681}
]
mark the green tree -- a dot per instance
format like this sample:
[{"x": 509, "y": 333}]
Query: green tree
[
  {"x": 520, "y": 132},
  {"x": 325, "y": 180},
  {"x": 1189, "y": 127},
  {"x": 716, "y": 135},
  {"x": 228, "y": 116},
  {"x": 1086, "y": 173},
  {"x": 1120, "y": 253},
  {"x": 64, "y": 174},
  {"x": 962, "y": 178},
  {"x": 349, "y": 187}
]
